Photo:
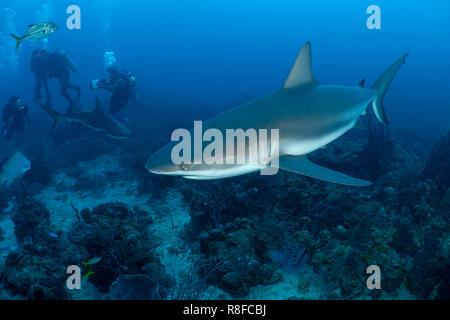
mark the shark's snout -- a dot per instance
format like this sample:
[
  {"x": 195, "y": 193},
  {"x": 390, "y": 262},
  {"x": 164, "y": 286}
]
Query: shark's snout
[
  {"x": 151, "y": 166},
  {"x": 159, "y": 163}
]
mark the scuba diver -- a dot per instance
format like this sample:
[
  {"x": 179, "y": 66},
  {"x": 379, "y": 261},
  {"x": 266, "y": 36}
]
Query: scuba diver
[
  {"x": 15, "y": 116},
  {"x": 46, "y": 65},
  {"x": 122, "y": 85}
]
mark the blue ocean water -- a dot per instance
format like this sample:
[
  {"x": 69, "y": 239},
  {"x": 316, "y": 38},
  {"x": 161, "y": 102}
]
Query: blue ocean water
[
  {"x": 193, "y": 60},
  {"x": 212, "y": 51}
]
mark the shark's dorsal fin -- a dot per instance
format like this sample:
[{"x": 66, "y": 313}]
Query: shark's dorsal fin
[
  {"x": 301, "y": 72},
  {"x": 362, "y": 83},
  {"x": 98, "y": 107}
]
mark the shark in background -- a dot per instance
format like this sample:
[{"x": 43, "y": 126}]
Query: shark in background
[
  {"x": 97, "y": 120},
  {"x": 309, "y": 115}
]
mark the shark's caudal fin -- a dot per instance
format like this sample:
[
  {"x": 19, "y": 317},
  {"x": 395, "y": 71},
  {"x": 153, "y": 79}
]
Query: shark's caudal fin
[
  {"x": 18, "y": 39},
  {"x": 52, "y": 113},
  {"x": 382, "y": 85},
  {"x": 301, "y": 72},
  {"x": 302, "y": 165}
]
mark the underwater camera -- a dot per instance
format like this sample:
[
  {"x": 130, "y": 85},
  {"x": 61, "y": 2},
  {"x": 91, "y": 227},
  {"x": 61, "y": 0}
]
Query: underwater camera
[{"x": 95, "y": 84}]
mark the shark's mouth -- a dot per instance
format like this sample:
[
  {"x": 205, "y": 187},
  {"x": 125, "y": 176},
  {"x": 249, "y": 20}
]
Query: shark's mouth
[{"x": 202, "y": 178}]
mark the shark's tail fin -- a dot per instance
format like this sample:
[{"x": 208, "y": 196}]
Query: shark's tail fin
[
  {"x": 52, "y": 113},
  {"x": 382, "y": 85},
  {"x": 18, "y": 39}
]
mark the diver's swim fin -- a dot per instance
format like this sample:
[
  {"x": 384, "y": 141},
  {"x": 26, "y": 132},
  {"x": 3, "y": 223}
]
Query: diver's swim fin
[
  {"x": 18, "y": 39},
  {"x": 52, "y": 113},
  {"x": 302, "y": 165},
  {"x": 382, "y": 85}
]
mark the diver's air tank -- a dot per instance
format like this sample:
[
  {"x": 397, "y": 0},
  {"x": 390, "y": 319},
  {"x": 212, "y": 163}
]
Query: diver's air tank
[{"x": 70, "y": 63}]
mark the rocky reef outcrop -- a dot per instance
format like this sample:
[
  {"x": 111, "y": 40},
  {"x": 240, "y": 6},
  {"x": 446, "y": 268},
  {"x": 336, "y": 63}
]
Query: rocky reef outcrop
[
  {"x": 438, "y": 163},
  {"x": 37, "y": 269},
  {"x": 400, "y": 224},
  {"x": 118, "y": 235},
  {"x": 112, "y": 233}
]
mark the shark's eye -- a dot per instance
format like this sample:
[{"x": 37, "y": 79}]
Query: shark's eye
[{"x": 184, "y": 167}]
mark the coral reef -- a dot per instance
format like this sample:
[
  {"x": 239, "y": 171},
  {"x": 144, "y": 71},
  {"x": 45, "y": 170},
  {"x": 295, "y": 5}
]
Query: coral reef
[
  {"x": 135, "y": 287},
  {"x": 4, "y": 198},
  {"x": 37, "y": 269},
  {"x": 438, "y": 164},
  {"x": 362, "y": 157},
  {"x": 399, "y": 224},
  {"x": 112, "y": 231},
  {"x": 244, "y": 233},
  {"x": 118, "y": 235}
]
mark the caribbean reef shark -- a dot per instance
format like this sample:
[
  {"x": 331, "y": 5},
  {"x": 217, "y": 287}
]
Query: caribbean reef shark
[
  {"x": 309, "y": 116},
  {"x": 96, "y": 120}
]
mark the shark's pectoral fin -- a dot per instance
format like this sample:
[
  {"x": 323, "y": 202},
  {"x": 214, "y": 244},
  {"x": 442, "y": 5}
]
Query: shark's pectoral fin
[
  {"x": 302, "y": 165},
  {"x": 301, "y": 72}
]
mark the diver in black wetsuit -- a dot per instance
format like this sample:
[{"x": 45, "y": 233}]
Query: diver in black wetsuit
[
  {"x": 57, "y": 65},
  {"x": 15, "y": 116},
  {"x": 122, "y": 86}
]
